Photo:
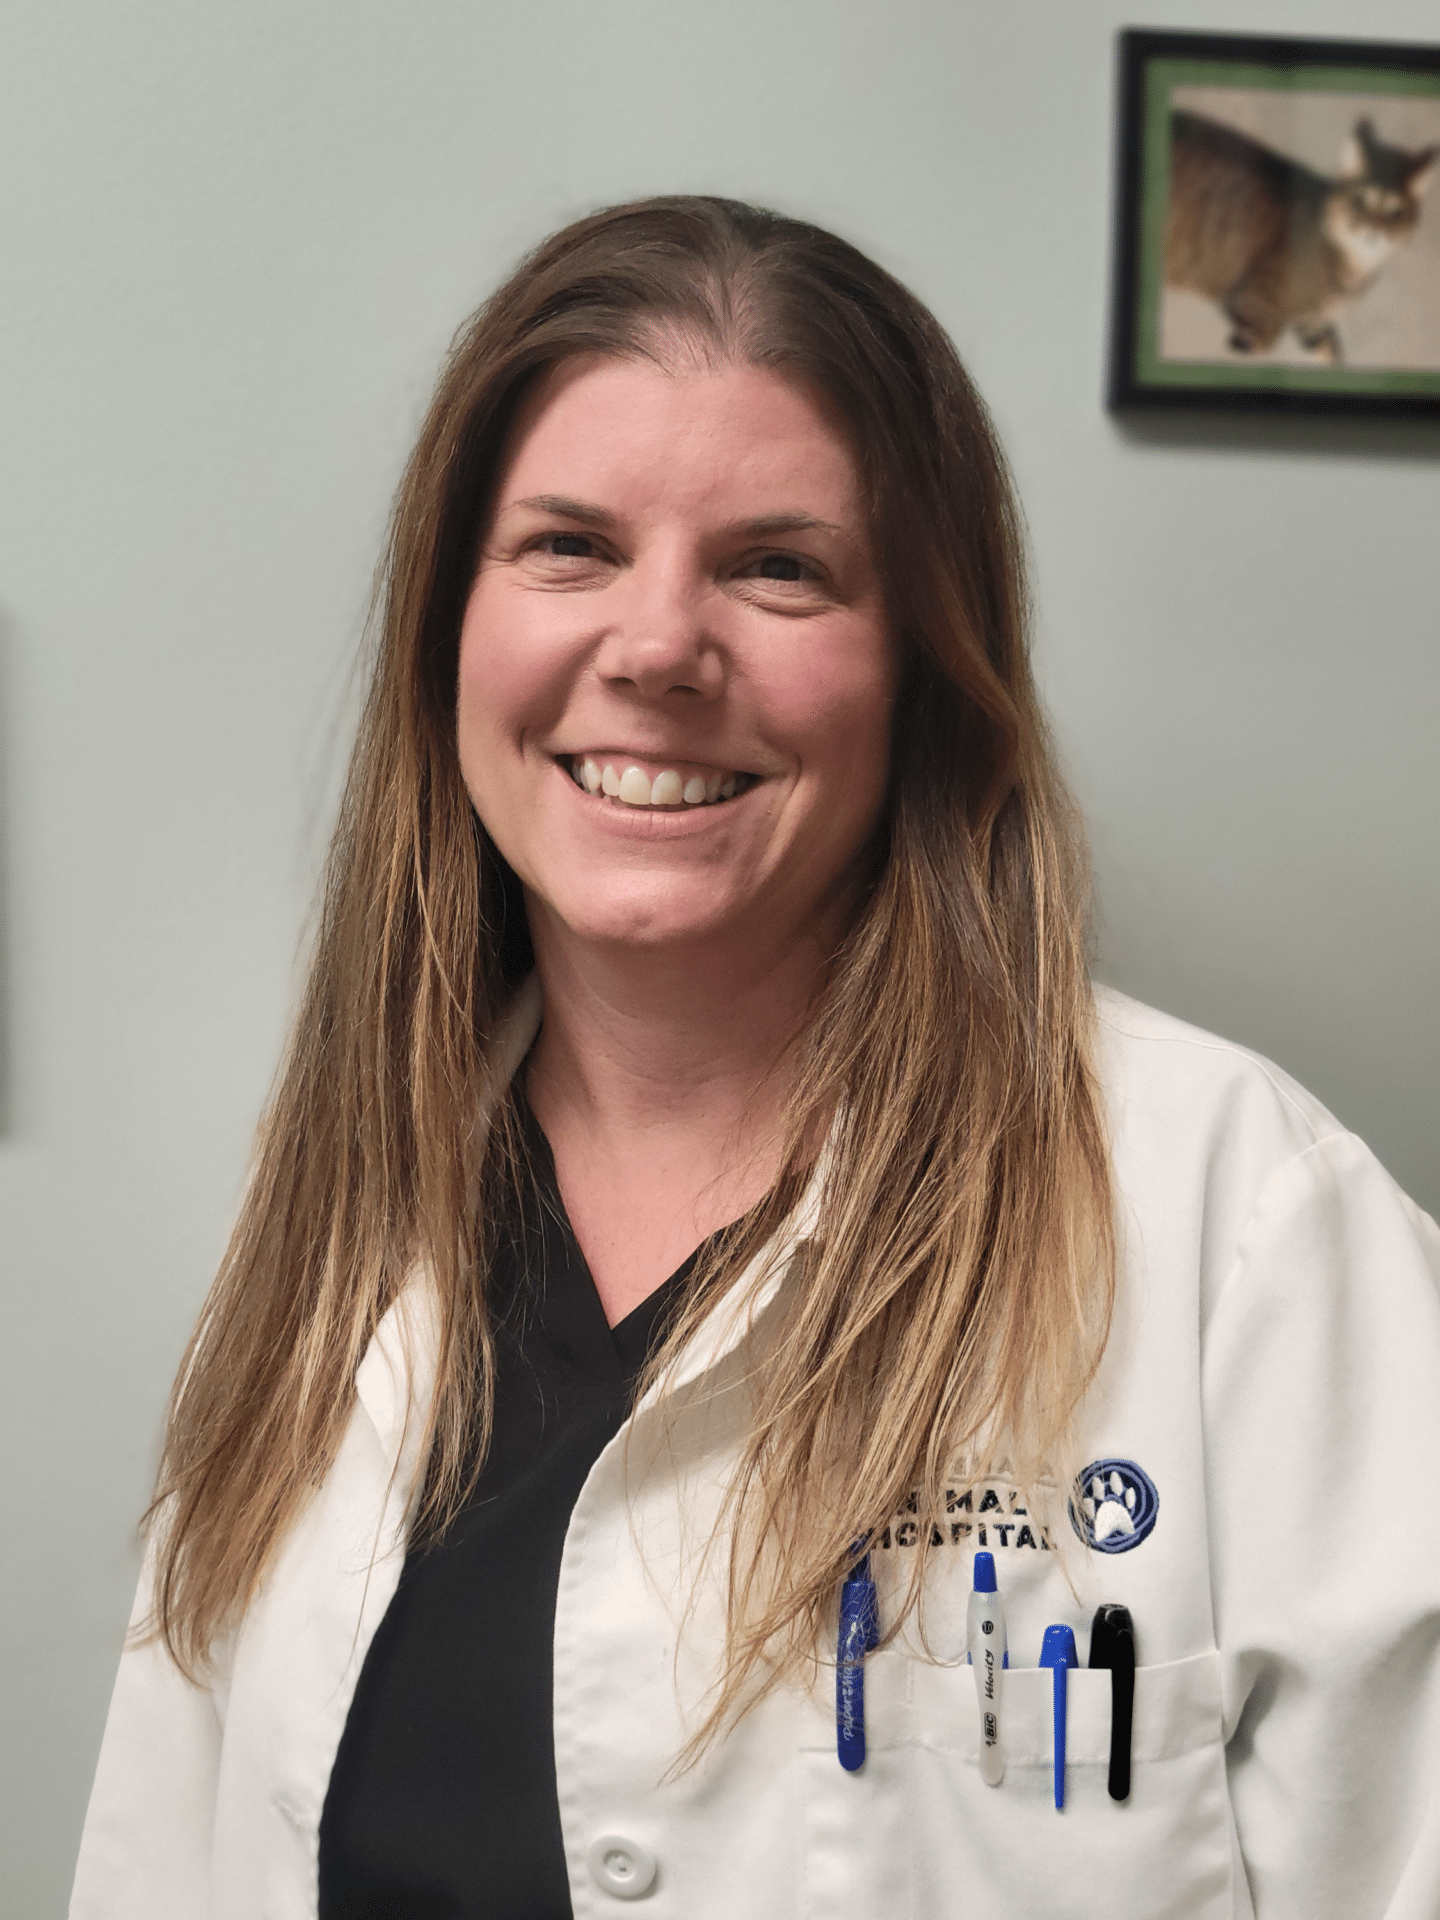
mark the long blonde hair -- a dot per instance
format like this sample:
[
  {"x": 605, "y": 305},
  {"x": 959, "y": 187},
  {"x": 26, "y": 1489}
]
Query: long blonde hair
[{"x": 957, "y": 1291}]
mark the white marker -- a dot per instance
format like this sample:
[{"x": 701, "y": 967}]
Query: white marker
[{"x": 985, "y": 1637}]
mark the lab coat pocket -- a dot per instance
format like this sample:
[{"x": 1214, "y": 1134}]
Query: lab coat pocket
[{"x": 916, "y": 1832}]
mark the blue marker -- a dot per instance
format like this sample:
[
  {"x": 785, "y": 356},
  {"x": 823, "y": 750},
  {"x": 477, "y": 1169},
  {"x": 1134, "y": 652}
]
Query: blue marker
[
  {"x": 859, "y": 1633},
  {"x": 1059, "y": 1652}
]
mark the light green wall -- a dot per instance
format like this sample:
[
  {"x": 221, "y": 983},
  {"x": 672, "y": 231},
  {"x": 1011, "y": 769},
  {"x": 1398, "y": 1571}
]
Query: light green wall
[{"x": 234, "y": 240}]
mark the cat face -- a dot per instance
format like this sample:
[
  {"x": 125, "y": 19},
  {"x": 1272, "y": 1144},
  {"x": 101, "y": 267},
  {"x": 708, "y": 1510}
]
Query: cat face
[{"x": 1382, "y": 186}]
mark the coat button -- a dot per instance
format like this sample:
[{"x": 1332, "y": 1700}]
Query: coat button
[{"x": 620, "y": 1866}]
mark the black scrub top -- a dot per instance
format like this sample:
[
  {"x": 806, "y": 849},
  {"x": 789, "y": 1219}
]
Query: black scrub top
[{"x": 442, "y": 1802}]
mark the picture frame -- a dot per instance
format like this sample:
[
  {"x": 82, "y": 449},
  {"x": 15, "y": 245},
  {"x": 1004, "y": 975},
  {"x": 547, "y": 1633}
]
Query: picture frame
[{"x": 1252, "y": 272}]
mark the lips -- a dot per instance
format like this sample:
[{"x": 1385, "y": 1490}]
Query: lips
[{"x": 679, "y": 787}]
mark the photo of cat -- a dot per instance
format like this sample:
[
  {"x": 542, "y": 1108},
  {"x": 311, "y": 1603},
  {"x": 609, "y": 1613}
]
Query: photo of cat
[
  {"x": 1295, "y": 229},
  {"x": 1277, "y": 225}
]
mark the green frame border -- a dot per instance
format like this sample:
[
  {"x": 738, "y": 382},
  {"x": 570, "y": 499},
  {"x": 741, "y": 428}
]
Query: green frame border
[{"x": 1161, "y": 77}]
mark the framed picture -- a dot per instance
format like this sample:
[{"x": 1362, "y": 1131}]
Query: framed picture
[{"x": 1278, "y": 225}]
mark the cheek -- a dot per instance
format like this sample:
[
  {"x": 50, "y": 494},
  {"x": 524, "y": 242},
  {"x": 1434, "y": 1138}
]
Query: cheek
[
  {"x": 507, "y": 677},
  {"x": 839, "y": 712}
]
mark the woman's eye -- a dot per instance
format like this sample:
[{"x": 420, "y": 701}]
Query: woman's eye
[
  {"x": 780, "y": 566},
  {"x": 569, "y": 546}
]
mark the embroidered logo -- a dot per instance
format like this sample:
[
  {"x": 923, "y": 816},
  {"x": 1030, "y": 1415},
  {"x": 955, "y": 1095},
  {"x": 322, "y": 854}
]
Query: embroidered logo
[
  {"x": 990, "y": 1516},
  {"x": 1116, "y": 1505}
]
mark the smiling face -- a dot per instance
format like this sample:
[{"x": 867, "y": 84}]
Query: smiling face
[{"x": 676, "y": 677}]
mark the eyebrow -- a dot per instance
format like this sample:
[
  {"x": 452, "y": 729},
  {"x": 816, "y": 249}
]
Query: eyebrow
[
  {"x": 565, "y": 508},
  {"x": 589, "y": 515}
]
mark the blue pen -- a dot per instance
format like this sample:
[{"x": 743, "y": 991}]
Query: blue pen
[
  {"x": 1059, "y": 1652},
  {"x": 859, "y": 1633}
]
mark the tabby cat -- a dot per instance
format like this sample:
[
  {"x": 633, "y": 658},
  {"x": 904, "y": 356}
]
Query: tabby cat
[{"x": 1276, "y": 244}]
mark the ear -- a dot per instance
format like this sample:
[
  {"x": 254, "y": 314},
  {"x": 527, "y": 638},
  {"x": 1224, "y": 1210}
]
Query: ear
[
  {"x": 1352, "y": 160},
  {"x": 1357, "y": 152},
  {"x": 1422, "y": 171}
]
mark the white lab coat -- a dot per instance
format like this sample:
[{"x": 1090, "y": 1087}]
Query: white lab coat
[{"x": 1273, "y": 1376}]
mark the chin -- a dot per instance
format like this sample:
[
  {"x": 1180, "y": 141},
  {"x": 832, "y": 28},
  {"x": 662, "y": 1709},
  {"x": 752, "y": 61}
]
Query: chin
[{"x": 643, "y": 920}]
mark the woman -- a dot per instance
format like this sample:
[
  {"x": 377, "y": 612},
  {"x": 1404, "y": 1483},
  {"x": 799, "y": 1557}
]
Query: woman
[{"x": 703, "y": 1180}]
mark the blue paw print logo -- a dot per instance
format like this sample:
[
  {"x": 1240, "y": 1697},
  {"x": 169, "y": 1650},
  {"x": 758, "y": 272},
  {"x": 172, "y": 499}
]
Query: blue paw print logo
[{"x": 1115, "y": 1506}]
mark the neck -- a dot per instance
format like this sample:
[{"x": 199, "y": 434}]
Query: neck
[
  {"x": 644, "y": 1042},
  {"x": 660, "y": 1080}
]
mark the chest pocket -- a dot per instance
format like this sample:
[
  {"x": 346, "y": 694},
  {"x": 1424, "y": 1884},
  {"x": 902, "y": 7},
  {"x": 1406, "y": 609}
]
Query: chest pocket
[{"x": 917, "y": 1833}]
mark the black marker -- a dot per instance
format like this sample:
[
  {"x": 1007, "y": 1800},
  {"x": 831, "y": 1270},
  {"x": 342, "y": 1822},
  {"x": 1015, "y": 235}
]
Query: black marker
[{"x": 1112, "y": 1645}]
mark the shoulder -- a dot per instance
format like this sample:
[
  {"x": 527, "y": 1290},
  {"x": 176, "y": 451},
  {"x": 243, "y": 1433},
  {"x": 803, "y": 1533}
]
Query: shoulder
[
  {"x": 1170, "y": 1072},
  {"x": 1201, "y": 1130}
]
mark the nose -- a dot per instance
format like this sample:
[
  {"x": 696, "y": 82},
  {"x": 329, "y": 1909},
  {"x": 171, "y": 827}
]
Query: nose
[{"x": 658, "y": 643}]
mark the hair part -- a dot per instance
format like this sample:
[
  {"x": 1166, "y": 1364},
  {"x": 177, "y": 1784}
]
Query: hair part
[{"x": 956, "y": 1294}]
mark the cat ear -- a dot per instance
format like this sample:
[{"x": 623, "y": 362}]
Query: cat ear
[
  {"x": 1355, "y": 154},
  {"x": 1422, "y": 171}
]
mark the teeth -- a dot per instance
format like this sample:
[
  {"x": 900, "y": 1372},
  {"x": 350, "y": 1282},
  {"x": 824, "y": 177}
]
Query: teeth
[{"x": 634, "y": 788}]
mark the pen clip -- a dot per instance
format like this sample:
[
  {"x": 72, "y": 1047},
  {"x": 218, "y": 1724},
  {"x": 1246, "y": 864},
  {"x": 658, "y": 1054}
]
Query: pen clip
[
  {"x": 859, "y": 1635},
  {"x": 1112, "y": 1645}
]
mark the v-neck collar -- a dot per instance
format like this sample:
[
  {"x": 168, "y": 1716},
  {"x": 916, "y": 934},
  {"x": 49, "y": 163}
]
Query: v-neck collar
[
  {"x": 568, "y": 1304},
  {"x": 395, "y": 1380}
]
